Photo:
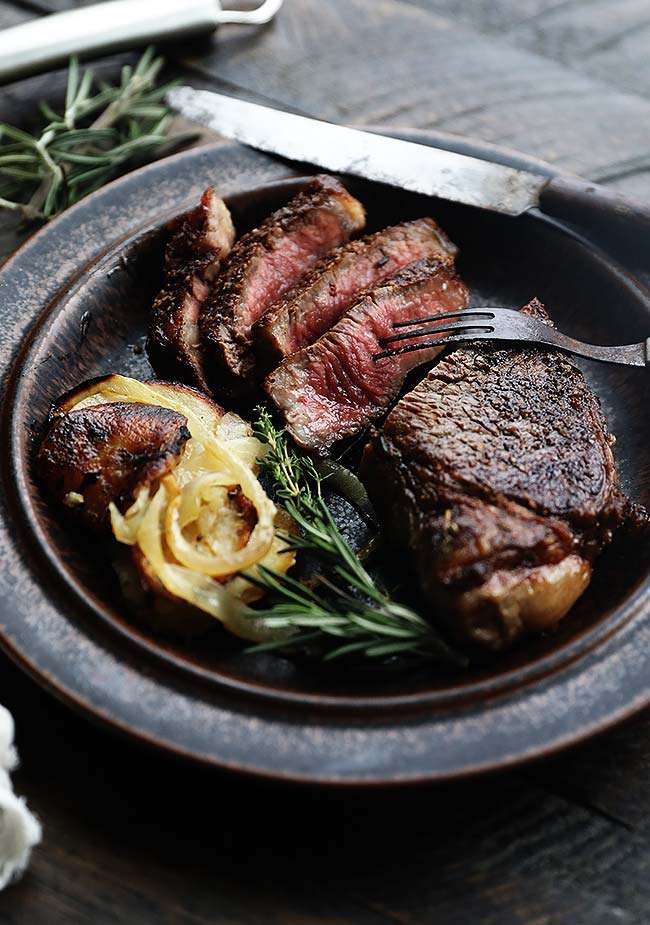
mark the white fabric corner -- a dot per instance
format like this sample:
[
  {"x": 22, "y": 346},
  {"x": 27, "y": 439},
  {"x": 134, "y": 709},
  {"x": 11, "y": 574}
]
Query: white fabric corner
[{"x": 19, "y": 829}]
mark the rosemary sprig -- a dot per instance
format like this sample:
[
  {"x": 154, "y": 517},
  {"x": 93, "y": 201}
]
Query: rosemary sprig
[
  {"x": 343, "y": 612},
  {"x": 97, "y": 136}
]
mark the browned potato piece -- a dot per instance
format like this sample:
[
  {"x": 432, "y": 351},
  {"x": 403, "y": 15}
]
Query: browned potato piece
[{"x": 102, "y": 453}]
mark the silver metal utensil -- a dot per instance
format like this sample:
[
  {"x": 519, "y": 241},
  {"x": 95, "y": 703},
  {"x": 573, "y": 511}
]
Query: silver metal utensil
[
  {"x": 502, "y": 324},
  {"x": 608, "y": 219},
  {"x": 96, "y": 30}
]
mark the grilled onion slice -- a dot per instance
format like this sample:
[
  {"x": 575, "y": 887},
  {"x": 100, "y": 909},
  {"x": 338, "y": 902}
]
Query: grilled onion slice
[{"x": 196, "y": 539}]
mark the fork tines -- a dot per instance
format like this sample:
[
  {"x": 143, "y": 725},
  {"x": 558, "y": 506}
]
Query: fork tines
[{"x": 457, "y": 331}]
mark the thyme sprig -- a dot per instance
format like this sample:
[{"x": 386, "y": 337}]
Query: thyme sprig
[
  {"x": 343, "y": 611},
  {"x": 97, "y": 136}
]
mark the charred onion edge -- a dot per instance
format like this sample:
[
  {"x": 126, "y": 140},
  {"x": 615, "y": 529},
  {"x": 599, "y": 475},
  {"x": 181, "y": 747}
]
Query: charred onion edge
[{"x": 204, "y": 417}]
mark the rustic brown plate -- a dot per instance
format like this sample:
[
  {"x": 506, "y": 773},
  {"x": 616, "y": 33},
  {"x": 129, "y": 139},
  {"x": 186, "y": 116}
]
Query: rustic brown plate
[{"x": 73, "y": 304}]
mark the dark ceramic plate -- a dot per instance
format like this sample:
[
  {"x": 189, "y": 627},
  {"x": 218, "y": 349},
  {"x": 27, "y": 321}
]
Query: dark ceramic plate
[{"x": 73, "y": 304}]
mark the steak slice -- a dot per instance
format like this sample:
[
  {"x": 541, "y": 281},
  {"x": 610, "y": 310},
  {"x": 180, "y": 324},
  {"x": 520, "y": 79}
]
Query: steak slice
[
  {"x": 311, "y": 308},
  {"x": 263, "y": 265},
  {"x": 334, "y": 388},
  {"x": 497, "y": 474},
  {"x": 199, "y": 243}
]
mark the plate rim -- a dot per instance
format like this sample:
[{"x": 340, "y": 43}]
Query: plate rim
[{"x": 94, "y": 710}]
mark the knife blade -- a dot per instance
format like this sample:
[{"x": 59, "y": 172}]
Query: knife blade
[
  {"x": 616, "y": 224},
  {"x": 352, "y": 151}
]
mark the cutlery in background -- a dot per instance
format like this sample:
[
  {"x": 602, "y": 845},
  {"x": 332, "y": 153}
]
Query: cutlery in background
[
  {"x": 605, "y": 217},
  {"x": 91, "y": 31}
]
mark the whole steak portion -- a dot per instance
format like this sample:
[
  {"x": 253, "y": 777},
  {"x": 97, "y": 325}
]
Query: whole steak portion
[
  {"x": 263, "y": 265},
  {"x": 307, "y": 311},
  {"x": 199, "y": 243},
  {"x": 497, "y": 474},
  {"x": 334, "y": 388}
]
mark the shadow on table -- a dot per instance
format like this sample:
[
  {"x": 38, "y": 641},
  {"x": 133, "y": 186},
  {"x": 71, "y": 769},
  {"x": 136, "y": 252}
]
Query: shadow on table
[{"x": 138, "y": 830}]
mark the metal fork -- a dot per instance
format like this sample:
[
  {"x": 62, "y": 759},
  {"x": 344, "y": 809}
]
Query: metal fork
[{"x": 504, "y": 324}]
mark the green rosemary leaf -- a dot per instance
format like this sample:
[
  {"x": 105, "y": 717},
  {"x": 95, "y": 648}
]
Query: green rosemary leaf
[
  {"x": 73, "y": 138},
  {"x": 13, "y": 147},
  {"x": 148, "y": 111},
  {"x": 345, "y": 610},
  {"x": 17, "y": 134},
  {"x": 73, "y": 82},
  {"x": 103, "y": 131},
  {"x": 85, "y": 87},
  {"x": 70, "y": 157},
  {"x": 88, "y": 176},
  {"x": 52, "y": 198},
  {"x": 352, "y": 648},
  {"x": 48, "y": 112},
  {"x": 20, "y": 173},
  {"x": 7, "y": 160},
  {"x": 389, "y": 648}
]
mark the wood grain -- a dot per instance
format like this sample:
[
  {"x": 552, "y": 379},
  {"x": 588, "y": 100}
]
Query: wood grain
[
  {"x": 607, "y": 40},
  {"x": 489, "y": 16},
  {"x": 515, "y": 94},
  {"x": 11, "y": 15},
  {"x": 130, "y": 830},
  {"x": 404, "y": 65}
]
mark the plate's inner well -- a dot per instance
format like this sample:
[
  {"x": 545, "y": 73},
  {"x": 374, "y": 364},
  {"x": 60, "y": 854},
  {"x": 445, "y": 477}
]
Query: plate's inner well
[{"x": 99, "y": 327}]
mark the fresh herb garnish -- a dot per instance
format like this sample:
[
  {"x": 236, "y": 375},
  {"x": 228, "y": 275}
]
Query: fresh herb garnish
[
  {"x": 342, "y": 611},
  {"x": 72, "y": 155}
]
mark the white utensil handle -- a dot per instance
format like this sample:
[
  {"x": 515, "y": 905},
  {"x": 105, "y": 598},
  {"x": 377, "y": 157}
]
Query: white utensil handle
[{"x": 46, "y": 42}]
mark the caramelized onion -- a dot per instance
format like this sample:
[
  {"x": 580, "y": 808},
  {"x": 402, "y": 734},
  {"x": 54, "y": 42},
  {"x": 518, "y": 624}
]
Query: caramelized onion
[{"x": 185, "y": 528}]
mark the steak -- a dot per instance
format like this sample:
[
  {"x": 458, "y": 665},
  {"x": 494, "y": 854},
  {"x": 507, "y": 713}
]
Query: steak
[
  {"x": 200, "y": 241},
  {"x": 263, "y": 266},
  {"x": 311, "y": 308},
  {"x": 496, "y": 472},
  {"x": 334, "y": 388}
]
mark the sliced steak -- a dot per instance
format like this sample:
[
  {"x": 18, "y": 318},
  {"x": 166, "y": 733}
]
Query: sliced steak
[
  {"x": 311, "y": 308},
  {"x": 497, "y": 474},
  {"x": 103, "y": 453},
  {"x": 263, "y": 266},
  {"x": 200, "y": 242},
  {"x": 334, "y": 388}
]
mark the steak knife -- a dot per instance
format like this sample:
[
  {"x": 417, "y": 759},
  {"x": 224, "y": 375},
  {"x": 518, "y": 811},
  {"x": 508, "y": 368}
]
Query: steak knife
[{"x": 606, "y": 218}]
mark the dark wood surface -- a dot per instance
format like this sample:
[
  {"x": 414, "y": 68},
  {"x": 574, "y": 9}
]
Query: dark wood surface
[{"x": 133, "y": 837}]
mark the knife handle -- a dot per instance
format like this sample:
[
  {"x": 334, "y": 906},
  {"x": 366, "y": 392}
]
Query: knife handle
[
  {"x": 94, "y": 30},
  {"x": 607, "y": 219}
]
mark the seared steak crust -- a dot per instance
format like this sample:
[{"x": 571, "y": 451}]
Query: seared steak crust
[
  {"x": 103, "y": 453},
  {"x": 263, "y": 266},
  {"x": 497, "y": 473},
  {"x": 334, "y": 388},
  {"x": 200, "y": 242},
  {"x": 308, "y": 310}
]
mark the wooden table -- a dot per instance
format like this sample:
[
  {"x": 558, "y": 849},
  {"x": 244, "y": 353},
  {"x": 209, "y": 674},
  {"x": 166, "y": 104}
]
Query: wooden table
[{"x": 131, "y": 837}]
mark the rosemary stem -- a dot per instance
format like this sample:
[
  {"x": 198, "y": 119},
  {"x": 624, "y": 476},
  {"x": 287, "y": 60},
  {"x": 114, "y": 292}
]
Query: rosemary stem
[
  {"x": 115, "y": 110},
  {"x": 345, "y": 611},
  {"x": 71, "y": 156},
  {"x": 25, "y": 209},
  {"x": 54, "y": 176}
]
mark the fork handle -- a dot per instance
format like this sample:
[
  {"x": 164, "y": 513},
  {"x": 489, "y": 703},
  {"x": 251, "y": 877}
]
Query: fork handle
[
  {"x": 609, "y": 220},
  {"x": 625, "y": 355}
]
